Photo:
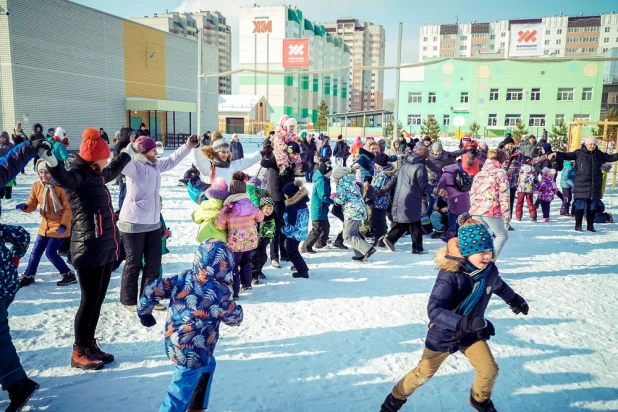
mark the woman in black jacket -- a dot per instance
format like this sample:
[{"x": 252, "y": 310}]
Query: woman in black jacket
[
  {"x": 94, "y": 236},
  {"x": 307, "y": 155}
]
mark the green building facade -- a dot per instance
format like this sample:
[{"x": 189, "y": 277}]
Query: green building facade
[{"x": 497, "y": 94}]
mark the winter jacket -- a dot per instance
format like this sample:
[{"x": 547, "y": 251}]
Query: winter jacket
[
  {"x": 205, "y": 216},
  {"x": 237, "y": 150},
  {"x": 296, "y": 216},
  {"x": 356, "y": 146},
  {"x": 527, "y": 179},
  {"x": 59, "y": 150},
  {"x": 529, "y": 150},
  {"x": 252, "y": 191},
  {"x": 276, "y": 180},
  {"x": 239, "y": 217},
  {"x": 50, "y": 222},
  {"x": 37, "y": 135},
  {"x": 308, "y": 150},
  {"x": 470, "y": 163},
  {"x": 124, "y": 138},
  {"x": 512, "y": 165},
  {"x": 365, "y": 161},
  {"x": 19, "y": 239},
  {"x": 342, "y": 150},
  {"x": 547, "y": 188},
  {"x": 567, "y": 177},
  {"x": 440, "y": 162},
  {"x": 204, "y": 165},
  {"x": 267, "y": 227},
  {"x": 14, "y": 161},
  {"x": 320, "y": 197},
  {"x": 325, "y": 149},
  {"x": 94, "y": 235},
  {"x": 380, "y": 179},
  {"x": 142, "y": 204},
  {"x": 350, "y": 197},
  {"x": 458, "y": 202},
  {"x": 588, "y": 174},
  {"x": 490, "y": 192},
  {"x": 411, "y": 183},
  {"x": 438, "y": 220},
  {"x": 451, "y": 289},
  {"x": 200, "y": 299}
]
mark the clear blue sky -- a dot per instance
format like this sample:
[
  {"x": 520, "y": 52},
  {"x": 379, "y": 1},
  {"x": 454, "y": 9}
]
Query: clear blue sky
[{"x": 386, "y": 13}]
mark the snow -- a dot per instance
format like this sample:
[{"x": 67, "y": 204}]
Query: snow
[{"x": 340, "y": 340}]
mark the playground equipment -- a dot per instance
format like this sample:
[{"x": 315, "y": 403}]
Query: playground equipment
[{"x": 607, "y": 142}]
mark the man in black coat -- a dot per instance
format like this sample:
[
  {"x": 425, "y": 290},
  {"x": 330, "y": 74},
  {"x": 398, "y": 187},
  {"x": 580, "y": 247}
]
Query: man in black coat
[{"x": 588, "y": 179}]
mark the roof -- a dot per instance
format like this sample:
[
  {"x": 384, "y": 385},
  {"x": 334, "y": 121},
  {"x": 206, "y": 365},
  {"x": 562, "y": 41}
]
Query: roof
[{"x": 240, "y": 103}]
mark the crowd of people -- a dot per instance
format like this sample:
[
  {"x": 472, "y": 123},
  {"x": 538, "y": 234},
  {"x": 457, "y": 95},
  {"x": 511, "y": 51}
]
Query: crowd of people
[{"x": 465, "y": 197}]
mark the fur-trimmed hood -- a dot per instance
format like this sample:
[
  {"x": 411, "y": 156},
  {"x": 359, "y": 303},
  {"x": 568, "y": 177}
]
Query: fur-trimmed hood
[
  {"x": 301, "y": 196},
  {"x": 446, "y": 258}
]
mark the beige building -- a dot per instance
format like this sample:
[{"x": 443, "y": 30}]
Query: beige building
[
  {"x": 366, "y": 43},
  {"x": 244, "y": 114}
]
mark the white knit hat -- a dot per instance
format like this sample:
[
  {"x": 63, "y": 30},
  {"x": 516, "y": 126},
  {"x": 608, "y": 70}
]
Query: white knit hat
[{"x": 59, "y": 132}]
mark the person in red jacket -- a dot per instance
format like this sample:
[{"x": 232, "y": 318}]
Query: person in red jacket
[{"x": 470, "y": 160}]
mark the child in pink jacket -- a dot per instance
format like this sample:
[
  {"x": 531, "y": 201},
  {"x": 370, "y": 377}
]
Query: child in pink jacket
[{"x": 547, "y": 190}]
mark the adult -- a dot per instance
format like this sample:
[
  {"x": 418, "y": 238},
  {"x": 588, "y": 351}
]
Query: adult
[
  {"x": 588, "y": 189},
  {"x": 439, "y": 159},
  {"x": 308, "y": 151},
  {"x": 365, "y": 158},
  {"x": 18, "y": 135},
  {"x": 94, "y": 236},
  {"x": 402, "y": 144},
  {"x": 426, "y": 142},
  {"x": 126, "y": 137},
  {"x": 236, "y": 148},
  {"x": 544, "y": 135},
  {"x": 394, "y": 150},
  {"x": 103, "y": 135},
  {"x": 37, "y": 132},
  {"x": 268, "y": 141},
  {"x": 341, "y": 152},
  {"x": 411, "y": 182},
  {"x": 489, "y": 197},
  {"x": 530, "y": 147},
  {"x": 143, "y": 131},
  {"x": 325, "y": 150}
]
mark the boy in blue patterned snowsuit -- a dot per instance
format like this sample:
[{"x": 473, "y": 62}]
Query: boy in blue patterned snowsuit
[
  {"x": 200, "y": 299},
  {"x": 296, "y": 225}
]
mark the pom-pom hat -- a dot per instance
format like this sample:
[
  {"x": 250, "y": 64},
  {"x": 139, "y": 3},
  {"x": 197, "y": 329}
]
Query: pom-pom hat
[
  {"x": 93, "y": 148},
  {"x": 238, "y": 184},
  {"x": 218, "y": 189}
]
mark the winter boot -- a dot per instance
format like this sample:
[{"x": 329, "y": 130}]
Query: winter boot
[
  {"x": 26, "y": 281},
  {"x": 19, "y": 394},
  {"x": 579, "y": 218},
  {"x": 97, "y": 353},
  {"x": 67, "y": 279},
  {"x": 590, "y": 221},
  {"x": 357, "y": 258},
  {"x": 388, "y": 244},
  {"x": 320, "y": 246},
  {"x": 84, "y": 359},
  {"x": 247, "y": 287},
  {"x": 275, "y": 264},
  {"x": 196, "y": 404},
  {"x": 339, "y": 242},
  {"x": 391, "y": 404},
  {"x": 307, "y": 249},
  {"x": 485, "y": 406},
  {"x": 256, "y": 277},
  {"x": 297, "y": 275},
  {"x": 368, "y": 254}
]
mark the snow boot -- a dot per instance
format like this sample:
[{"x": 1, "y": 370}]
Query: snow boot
[
  {"x": 339, "y": 242},
  {"x": 590, "y": 221},
  {"x": 307, "y": 249},
  {"x": 26, "y": 281},
  {"x": 485, "y": 406},
  {"x": 388, "y": 244},
  {"x": 97, "y": 353},
  {"x": 19, "y": 394},
  {"x": 320, "y": 246},
  {"x": 84, "y": 359},
  {"x": 368, "y": 254},
  {"x": 275, "y": 264},
  {"x": 245, "y": 287},
  {"x": 67, "y": 279},
  {"x": 196, "y": 404},
  {"x": 391, "y": 404},
  {"x": 300, "y": 275},
  {"x": 579, "y": 218},
  {"x": 357, "y": 258},
  {"x": 419, "y": 252}
]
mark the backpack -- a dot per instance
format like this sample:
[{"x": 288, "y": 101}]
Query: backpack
[
  {"x": 462, "y": 181},
  {"x": 324, "y": 150}
]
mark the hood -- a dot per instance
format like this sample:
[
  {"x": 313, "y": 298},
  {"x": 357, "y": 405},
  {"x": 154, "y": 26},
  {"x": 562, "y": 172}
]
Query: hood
[
  {"x": 364, "y": 160},
  {"x": 123, "y": 139},
  {"x": 449, "y": 264},
  {"x": 413, "y": 158},
  {"x": 442, "y": 157},
  {"x": 302, "y": 196},
  {"x": 451, "y": 168},
  {"x": 395, "y": 141},
  {"x": 37, "y": 125},
  {"x": 213, "y": 260},
  {"x": 317, "y": 175},
  {"x": 212, "y": 204},
  {"x": 367, "y": 153},
  {"x": 492, "y": 164},
  {"x": 236, "y": 198}
]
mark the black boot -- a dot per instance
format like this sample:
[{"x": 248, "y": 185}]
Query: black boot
[
  {"x": 579, "y": 218},
  {"x": 486, "y": 406},
  {"x": 391, "y": 404},
  {"x": 199, "y": 393},
  {"x": 590, "y": 221},
  {"x": 20, "y": 392},
  {"x": 339, "y": 242}
]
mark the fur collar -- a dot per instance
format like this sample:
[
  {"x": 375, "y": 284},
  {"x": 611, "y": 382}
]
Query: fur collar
[
  {"x": 446, "y": 262},
  {"x": 298, "y": 197},
  {"x": 143, "y": 159}
]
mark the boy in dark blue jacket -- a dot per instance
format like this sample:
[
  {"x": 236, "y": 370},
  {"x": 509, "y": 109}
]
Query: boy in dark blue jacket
[{"x": 467, "y": 279}]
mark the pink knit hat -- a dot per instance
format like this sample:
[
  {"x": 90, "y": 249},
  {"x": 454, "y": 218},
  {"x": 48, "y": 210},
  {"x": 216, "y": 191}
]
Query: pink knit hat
[
  {"x": 145, "y": 144},
  {"x": 218, "y": 189}
]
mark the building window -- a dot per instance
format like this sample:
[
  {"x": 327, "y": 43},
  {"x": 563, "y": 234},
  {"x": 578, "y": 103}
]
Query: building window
[
  {"x": 559, "y": 119},
  {"x": 547, "y": 32},
  {"x": 463, "y": 38},
  {"x": 414, "y": 119},
  {"x": 587, "y": 93},
  {"x": 514, "y": 94},
  {"x": 435, "y": 48},
  {"x": 537, "y": 120},
  {"x": 559, "y": 31},
  {"x": 424, "y": 38},
  {"x": 424, "y": 48},
  {"x": 492, "y": 37},
  {"x": 606, "y": 40},
  {"x": 546, "y": 42},
  {"x": 493, "y": 120},
  {"x": 535, "y": 94},
  {"x": 414, "y": 97},
  {"x": 584, "y": 117},
  {"x": 565, "y": 94},
  {"x": 464, "y": 97},
  {"x": 491, "y": 47},
  {"x": 494, "y": 94},
  {"x": 463, "y": 47},
  {"x": 512, "y": 119},
  {"x": 435, "y": 38},
  {"x": 607, "y": 29},
  {"x": 502, "y": 44},
  {"x": 502, "y": 34},
  {"x": 558, "y": 41},
  {"x": 446, "y": 120},
  {"x": 432, "y": 97}
]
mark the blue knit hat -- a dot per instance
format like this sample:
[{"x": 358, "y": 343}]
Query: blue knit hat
[{"x": 473, "y": 237}]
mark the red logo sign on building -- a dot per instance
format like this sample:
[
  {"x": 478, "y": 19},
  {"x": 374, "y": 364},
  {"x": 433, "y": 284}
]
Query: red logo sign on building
[
  {"x": 296, "y": 53},
  {"x": 527, "y": 36},
  {"x": 262, "y": 26}
]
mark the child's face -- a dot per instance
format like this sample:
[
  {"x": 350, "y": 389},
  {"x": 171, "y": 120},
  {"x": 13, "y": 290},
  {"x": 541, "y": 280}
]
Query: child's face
[
  {"x": 444, "y": 210},
  {"x": 268, "y": 210},
  {"x": 44, "y": 176},
  {"x": 481, "y": 260}
]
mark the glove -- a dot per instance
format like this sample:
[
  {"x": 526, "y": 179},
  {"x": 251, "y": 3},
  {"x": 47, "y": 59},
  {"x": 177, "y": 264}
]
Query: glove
[
  {"x": 487, "y": 332},
  {"x": 266, "y": 151},
  {"x": 193, "y": 142},
  {"x": 61, "y": 229},
  {"x": 21, "y": 206},
  {"x": 518, "y": 305},
  {"x": 148, "y": 320},
  {"x": 45, "y": 153},
  {"x": 471, "y": 325},
  {"x": 131, "y": 150},
  {"x": 42, "y": 145},
  {"x": 15, "y": 260}
]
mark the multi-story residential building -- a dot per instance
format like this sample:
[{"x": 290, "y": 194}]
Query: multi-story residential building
[
  {"x": 366, "y": 42},
  {"x": 562, "y": 36},
  {"x": 215, "y": 32},
  {"x": 499, "y": 94},
  {"x": 262, "y": 31}
]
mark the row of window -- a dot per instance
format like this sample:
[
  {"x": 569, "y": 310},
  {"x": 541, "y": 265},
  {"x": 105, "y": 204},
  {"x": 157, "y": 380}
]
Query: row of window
[
  {"x": 535, "y": 120},
  {"x": 547, "y": 32},
  {"x": 582, "y": 50},
  {"x": 564, "y": 94},
  {"x": 590, "y": 29}
]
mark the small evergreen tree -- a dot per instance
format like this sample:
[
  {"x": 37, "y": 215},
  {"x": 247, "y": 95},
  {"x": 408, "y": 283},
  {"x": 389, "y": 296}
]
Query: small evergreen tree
[
  {"x": 558, "y": 137},
  {"x": 474, "y": 130},
  {"x": 519, "y": 131},
  {"x": 322, "y": 121},
  {"x": 431, "y": 128}
]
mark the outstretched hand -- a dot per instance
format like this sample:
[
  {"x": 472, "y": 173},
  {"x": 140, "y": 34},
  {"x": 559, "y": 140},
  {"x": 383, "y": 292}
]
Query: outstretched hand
[{"x": 193, "y": 142}]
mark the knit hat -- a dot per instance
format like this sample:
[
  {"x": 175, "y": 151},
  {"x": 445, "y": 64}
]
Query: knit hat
[
  {"x": 423, "y": 151},
  {"x": 4, "y": 134},
  {"x": 546, "y": 147},
  {"x": 472, "y": 236},
  {"x": 508, "y": 140},
  {"x": 469, "y": 145},
  {"x": 238, "y": 184},
  {"x": 381, "y": 159},
  {"x": 218, "y": 189},
  {"x": 220, "y": 145},
  {"x": 145, "y": 144},
  {"x": 441, "y": 203},
  {"x": 293, "y": 147},
  {"x": 437, "y": 146},
  {"x": 292, "y": 188},
  {"x": 325, "y": 166},
  {"x": 93, "y": 148},
  {"x": 339, "y": 172},
  {"x": 59, "y": 132},
  {"x": 254, "y": 181},
  {"x": 41, "y": 165},
  {"x": 590, "y": 140},
  {"x": 266, "y": 200}
]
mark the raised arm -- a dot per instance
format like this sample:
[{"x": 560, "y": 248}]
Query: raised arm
[
  {"x": 168, "y": 163},
  {"x": 566, "y": 155},
  {"x": 112, "y": 170},
  {"x": 247, "y": 162},
  {"x": 13, "y": 162}
]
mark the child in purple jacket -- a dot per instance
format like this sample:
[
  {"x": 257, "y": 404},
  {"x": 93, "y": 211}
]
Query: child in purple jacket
[
  {"x": 458, "y": 201},
  {"x": 547, "y": 189}
]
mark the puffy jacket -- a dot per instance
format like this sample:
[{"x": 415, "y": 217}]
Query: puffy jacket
[
  {"x": 490, "y": 192},
  {"x": 19, "y": 239},
  {"x": 438, "y": 220},
  {"x": 440, "y": 162},
  {"x": 206, "y": 215},
  {"x": 350, "y": 197},
  {"x": 411, "y": 183},
  {"x": 529, "y": 150},
  {"x": 200, "y": 299},
  {"x": 320, "y": 197},
  {"x": 59, "y": 150},
  {"x": 239, "y": 217},
  {"x": 50, "y": 221},
  {"x": 296, "y": 216},
  {"x": 512, "y": 165},
  {"x": 237, "y": 150},
  {"x": 547, "y": 188},
  {"x": 142, "y": 204},
  {"x": 308, "y": 151},
  {"x": 325, "y": 149},
  {"x": 267, "y": 227},
  {"x": 380, "y": 180},
  {"x": 588, "y": 174},
  {"x": 37, "y": 132},
  {"x": 94, "y": 235},
  {"x": 14, "y": 161},
  {"x": 204, "y": 165},
  {"x": 276, "y": 180},
  {"x": 458, "y": 202},
  {"x": 527, "y": 179},
  {"x": 567, "y": 177},
  {"x": 342, "y": 149},
  {"x": 365, "y": 161},
  {"x": 470, "y": 163}
]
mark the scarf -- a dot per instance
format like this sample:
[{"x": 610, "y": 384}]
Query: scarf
[
  {"x": 48, "y": 188},
  {"x": 220, "y": 163},
  {"x": 479, "y": 277}
]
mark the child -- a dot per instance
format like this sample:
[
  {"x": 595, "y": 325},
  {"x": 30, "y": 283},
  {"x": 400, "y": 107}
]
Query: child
[
  {"x": 547, "y": 189},
  {"x": 240, "y": 217},
  {"x": 567, "y": 181},
  {"x": 439, "y": 219},
  {"x": 199, "y": 301},
  {"x": 320, "y": 202},
  {"x": 266, "y": 233},
  {"x": 458, "y": 200},
  {"x": 254, "y": 190},
  {"x": 296, "y": 225},
  {"x": 6, "y": 146},
  {"x": 209, "y": 209},
  {"x": 383, "y": 173},
  {"x": 525, "y": 190},
  {"x": 456, "y": 311},
  {"x": 59, "y": 149},
  {"x": 354, "y": 212},
  {"x": 368, "y": 193},
  {"x": 55, "y": 226}
]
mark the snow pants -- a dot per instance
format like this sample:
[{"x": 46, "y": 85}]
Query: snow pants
[
  {"x": 497, "y": 226},
  {"x": 291, "y": 245},
  {"x": 351, "y": 236},
  {"x": 378, "y": 223},
  {"x": 138, "y": 246},
  {"x": 545, "y": 206},
  {"x": 50, "y": 246},
  {"x": 184, "y": 384},
  {"x": 242, "y": 269},
  {"x": 93, "y": 283},
  {"x": 260, "y": 256},
  {"x": 278, "y": 243},
  {"x": 320, "y": 230},
  {"x": 567, "y": 196},
  {"x": 11, "y": 370},
  {"x": 480, "y": 358},
  {"x": 519, "y": 210},
  {"x": 400, "y": 229}
]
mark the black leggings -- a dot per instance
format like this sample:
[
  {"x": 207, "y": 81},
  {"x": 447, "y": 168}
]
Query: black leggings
[{"x": 93, "y": 283}]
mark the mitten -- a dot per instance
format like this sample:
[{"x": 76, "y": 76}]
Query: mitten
[
  {"x": 15, "y": 260},
  {"x": 42, "y": 145},
  {"x": 470, "y": 325},
  {"x": 148, "y": 320},
  {"x": 487, "y": 332},
  {"x": 193, "y": 142},
  {"x": 61, "y": 229},
  {"x": 518, "y": 305},
  {"x": 45, "y": 153},
  {"x": 21, "y": 206}
]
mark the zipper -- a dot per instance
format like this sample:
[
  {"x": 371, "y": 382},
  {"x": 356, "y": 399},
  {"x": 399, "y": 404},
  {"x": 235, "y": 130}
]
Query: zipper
[{"x": 112, "y": 216}]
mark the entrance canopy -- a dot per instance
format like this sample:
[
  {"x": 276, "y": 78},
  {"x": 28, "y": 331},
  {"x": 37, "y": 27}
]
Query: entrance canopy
[{"x": 140, "y": 104}]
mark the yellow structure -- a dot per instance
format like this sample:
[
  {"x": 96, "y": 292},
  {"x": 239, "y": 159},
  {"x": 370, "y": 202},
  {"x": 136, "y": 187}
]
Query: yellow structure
[{"x": 144, "y": 61}]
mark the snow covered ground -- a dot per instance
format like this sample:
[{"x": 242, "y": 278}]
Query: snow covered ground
[{"x": 340, "y": 340}]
